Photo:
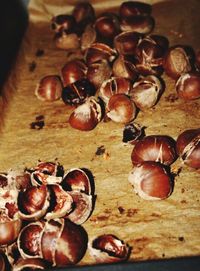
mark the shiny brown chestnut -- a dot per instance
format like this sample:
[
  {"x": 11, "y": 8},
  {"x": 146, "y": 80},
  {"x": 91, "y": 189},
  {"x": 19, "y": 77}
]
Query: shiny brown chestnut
[
  {"x": 33, "y": 202},
  {"x": 132, "y": 8},
  {"x": 77, "y": 92},
  {"x": 86, "y": 116},
  {"x": 73, "y": 71},
  {"x": 140, "y": 23},
  {"x": 124, "y": 66},
  {"x": 77, "y": 179},
  {"x": 188, "y": 147},
  {"x": 98, "y": 51},
  {"x": 108, "y": 248},
  {"x": 150, "y": 54},
  {"x": 49, "y": 88},
  {"x": 158, "y": 148},
  {"x": 188, "y": 86},
  {"x": 63, "y": 22},
  {"x": 67, "y": 41},
  {"x": 178, "y": 60},
  {"x": 114, "y": 85},
  {"x": 120, "y": 108},
  {"x": 151, "y": 181},
  {"x": 30, "y": 264},
  {"x": 126, "y": 42},
  {"x": 146, "y": 92},
  {"x": 107, "y": 26}
]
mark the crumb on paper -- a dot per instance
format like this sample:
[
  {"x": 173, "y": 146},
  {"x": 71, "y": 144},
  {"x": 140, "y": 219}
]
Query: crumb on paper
[
  {"x": 100, "y": 150},
  {"x": 39, "y": 52},
  {"x": 176, "y": 33},
  {"x": 121, "y": 210},
  {"x": 171, "y": 98},
  {"x": 32, "y": 66},
  {"x": 38, "y": 123},
  {"x": 181, "y": 238},
  {"x": 106, "y": 156}
]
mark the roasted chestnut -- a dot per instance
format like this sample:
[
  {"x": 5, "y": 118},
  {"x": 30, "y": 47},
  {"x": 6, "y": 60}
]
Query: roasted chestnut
[
  {"x": 99, "y": 72},
  {"x": 188, "y": 147},
  {"x": 151, "y": 181},
  {"x": 178, "y": 60},
  {"x": 126, "y": 42},
  {"x": 158, "y": 148},
  {"x": 49, "y": 88},
  {"x": 146, "y": 92},
  {"x": 132, "y": 8},
  {"x": 120, "y": 108},
  {"x": 73, "y": 71},
  {"x": 86, "y": 116},
  {"x": 77, "y": 92},
  {"x": 108, "y": 248},
  {"x": 114, "y": 85},
  {"x": 188, "y": 86},
  {"x": 143, "y": 24},
  {"x": 63, "y": 22}
]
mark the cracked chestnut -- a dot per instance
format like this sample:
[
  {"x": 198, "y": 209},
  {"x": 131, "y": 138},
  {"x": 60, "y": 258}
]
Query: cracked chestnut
[
  {"x": 188, "y": 86},
  {"x": 124, "y": 66}
]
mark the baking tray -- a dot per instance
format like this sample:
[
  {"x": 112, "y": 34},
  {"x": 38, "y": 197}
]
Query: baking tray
[{"x": 179, "y": 252}]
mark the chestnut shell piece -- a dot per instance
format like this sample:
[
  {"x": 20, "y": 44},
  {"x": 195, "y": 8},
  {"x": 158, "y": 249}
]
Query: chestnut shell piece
[
  {"x": 151, "y": 181},
  {"x": 30, "y": 264},
  {"x": 108, "y": 248},
  {"x": 188, "y": 86},
  {"x": 188, "y": 147},
  {"x": 71, "y": 244},
  {"x": 158, "y": 148}
]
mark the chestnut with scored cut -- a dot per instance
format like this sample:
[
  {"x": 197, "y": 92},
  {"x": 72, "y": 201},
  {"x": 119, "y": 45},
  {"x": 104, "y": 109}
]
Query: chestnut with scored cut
[
  {"x": 114, "y": 85},
  {"x": 108, "y": 248},
  {"x": 49, "y": 88},
  {"x": 87, "y": 115},
  {"x": 188, "y": 86},
  {"x": 120, "y": 108},
  {"x": 151, "y": 181},
  {"x": 158, "y": 148},
  {"x": 73, "y": 71},
  {"x": 146, "y": 92},
  {"x": 139, "y": 23},
  {"x": 188, "y": 147},
  {"x": 132, "y": 8},
  {"x": 77, "y": 92}
]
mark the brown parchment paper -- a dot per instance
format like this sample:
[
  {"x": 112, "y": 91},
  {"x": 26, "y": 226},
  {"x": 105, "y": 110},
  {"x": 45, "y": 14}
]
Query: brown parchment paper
[{"x": 154, "y": 230}]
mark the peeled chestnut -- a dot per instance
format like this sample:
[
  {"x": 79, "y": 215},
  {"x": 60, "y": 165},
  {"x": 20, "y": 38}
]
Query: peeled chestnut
[
  {"x": 188, "y": 147},
  {"x": 120, "y": 108},
  {"x": 72, "y": 71},
  {"x": 114, "y": 85},
  {"x": 132, "y": 8},
  {"x": 77, "y": 92},
  {"x": 108, "y": 248},
  {"x": 86, "y": 116},
  {"x": 143, "y": 24},
  {"x": 98, "y": 72},
  {"x": 151, "y": 181},
  {"x": 146, "y": 91},
  {"x": 126, "y": 42},
  {"x": 178, "y": 60},
  {"x": 49, "y": 88},
  {"x": 63, "y": 22},
  {"x": 188, "y": 86},
  {"x": 158, "y": 148}
]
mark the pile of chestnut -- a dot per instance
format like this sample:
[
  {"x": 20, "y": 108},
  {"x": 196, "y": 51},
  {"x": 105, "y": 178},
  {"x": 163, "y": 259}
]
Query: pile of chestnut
[{"x": 42, "y": 210}]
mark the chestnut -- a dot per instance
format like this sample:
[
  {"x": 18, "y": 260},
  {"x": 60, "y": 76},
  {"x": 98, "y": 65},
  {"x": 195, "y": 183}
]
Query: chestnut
[
  {"x": 67, "y": 41},
  {"x": 108, "y": 248},
  {"x": 178, "y": 60},
  {"x": 150, "y": 54},
  {"x": 73, "y": 71},
  {"x": 114, "y": 85},
  {"x": 88, "y": 37},
  {"x": 77, "y": 179},
  {"x": 124, "y": 66},
  {"x": 146, "y": 91},
  {"x": 30, "y": 264},
  {"x": 158, "y": 148},
  {"x": 86, "y": 116},
  {"x": 126, "y": 42},
  {"x": 33, "y": 202},
  {"x": 151, "y": 181},
  {"x": 98, "y": 72},
  {"x": 120, "y": 108},
  {"x": 49, "y": 88},
  {"x": 188, "y": 86},
  {"x": 140, "y": 23},
  {"x": 77, "y": 92},
  {"x": 132, "y": 8},
  {"x": 63, "y": 22},
  {"x": 107, "y": 26},
  {"x": 132, "y": 133},
  {"x": 188, "y": 147},
  {"x": 98, "y": 51}
]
